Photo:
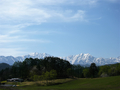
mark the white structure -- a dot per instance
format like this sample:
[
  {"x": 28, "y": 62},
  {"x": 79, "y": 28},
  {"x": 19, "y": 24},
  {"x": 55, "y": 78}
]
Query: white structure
[{"x": 15, "y": 80}]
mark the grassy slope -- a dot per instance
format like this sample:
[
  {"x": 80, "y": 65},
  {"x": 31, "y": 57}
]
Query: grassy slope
[{"x": 108, "y": 83}]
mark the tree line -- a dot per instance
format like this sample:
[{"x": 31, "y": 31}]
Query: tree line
[{"x": 53, "y": 67}]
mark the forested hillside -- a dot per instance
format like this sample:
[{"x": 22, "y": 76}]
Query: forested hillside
[
  {"x": 4, "y": 65},
  {"x": 54, "y": 67}
]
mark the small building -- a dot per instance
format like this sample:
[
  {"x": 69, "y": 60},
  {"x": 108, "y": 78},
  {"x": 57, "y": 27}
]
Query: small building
[{"x": 15, "y": 80}]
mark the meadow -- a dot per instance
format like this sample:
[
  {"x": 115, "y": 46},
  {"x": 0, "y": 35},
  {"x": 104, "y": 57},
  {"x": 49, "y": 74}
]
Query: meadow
[{"x": 106, "y": 83}]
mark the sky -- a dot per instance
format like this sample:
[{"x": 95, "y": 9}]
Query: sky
[{"x": 60, "y": 27}]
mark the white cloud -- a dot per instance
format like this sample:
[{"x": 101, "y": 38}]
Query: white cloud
[
  {"x": 21, "y": 13},
  {"x": 79, "y": 16},
  {"x": 24, "y": 13},
  {"x": 12, "y": 51},
  {"x": 69, "y": 16},
  {"x": 31, "y": 12},
  {"x": 20, "y": 36},
  {"x": 7, "y": 38},
  {"x": 10, "y": 41}
]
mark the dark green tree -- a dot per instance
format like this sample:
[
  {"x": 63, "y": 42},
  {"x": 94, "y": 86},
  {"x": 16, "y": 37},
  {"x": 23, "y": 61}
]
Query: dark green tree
[{"x": 93, "y": 70}]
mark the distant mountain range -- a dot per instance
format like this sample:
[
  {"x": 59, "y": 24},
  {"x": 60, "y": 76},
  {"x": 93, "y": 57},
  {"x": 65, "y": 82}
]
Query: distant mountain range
[
  {"x": 10, "y": 59},
  {"x": 87, "y": 59},
  {"x": 82, "y": 59}
]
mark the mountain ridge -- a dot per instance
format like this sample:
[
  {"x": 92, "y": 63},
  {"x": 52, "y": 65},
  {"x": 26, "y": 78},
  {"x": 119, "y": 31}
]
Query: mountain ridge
[
  {"x": 82, "y": 59},
  {"x": 4, "y": 65}
]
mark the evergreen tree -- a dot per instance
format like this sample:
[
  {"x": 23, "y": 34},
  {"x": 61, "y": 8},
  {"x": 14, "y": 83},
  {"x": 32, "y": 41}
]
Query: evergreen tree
[{"x": 93, "y": 70}]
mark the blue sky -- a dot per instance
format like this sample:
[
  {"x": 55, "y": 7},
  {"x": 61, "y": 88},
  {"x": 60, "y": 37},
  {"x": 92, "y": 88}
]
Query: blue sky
[{"x": 60, "y": 27}]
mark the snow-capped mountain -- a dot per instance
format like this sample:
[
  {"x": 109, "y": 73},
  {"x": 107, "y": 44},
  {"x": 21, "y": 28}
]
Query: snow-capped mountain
[
  {"x": 82, "y": 59},
  {"x": 10, "y": 59},
  {"x": 87, "y": 59}
]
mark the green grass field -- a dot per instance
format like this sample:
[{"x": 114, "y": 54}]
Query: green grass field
[{"x": 107, "y": 83}]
